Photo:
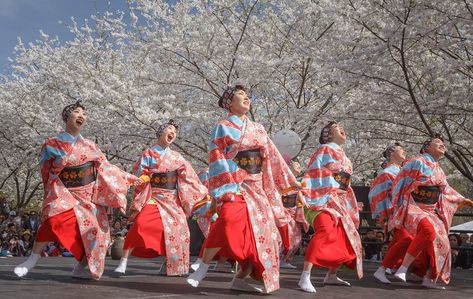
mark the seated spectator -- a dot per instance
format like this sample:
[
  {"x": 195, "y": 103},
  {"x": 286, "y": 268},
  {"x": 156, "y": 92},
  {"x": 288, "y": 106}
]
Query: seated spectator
[
  {"x": 4, "y": 246},
  {"x": 11, "y": 229},
  {"x": 380, "y": 236},
  {"x": 465, "y": 240},
  {"x": 4, "y": 206},
  {"x": 53, "y": 249},
  {"x": 10, "y": 218},
  {"x": 384, "y": 249},
  {"x": 27, "y": 242},
  {"x": 125, "y": 225},
  {"x": 117, "y": 227},
  {"x": 14, "y": 246},
  {"x": 465, "y": 254},
  {"x": 18, "y": 220},
  {"x": 455, "y": 243},
  {"x": 124, "y": 222}
]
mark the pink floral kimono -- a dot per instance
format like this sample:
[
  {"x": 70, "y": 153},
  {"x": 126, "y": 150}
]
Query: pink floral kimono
[
  {"x": 261, "y": 191},
  {"x": 323, "y": 193},
  {"x": 425, "y": 171},
  {"x": 89, "y": 202},
  {"x": 174, "y": 206}
]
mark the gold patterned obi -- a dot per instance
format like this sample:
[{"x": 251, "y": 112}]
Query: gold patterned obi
[
  {"x": 77, "y": 176},
  {"x": 343, "y": 179},
  {"x": 426, "y": 194},
  {"x": 249, "y": 160},
  {"x": 164, "y": 180}
]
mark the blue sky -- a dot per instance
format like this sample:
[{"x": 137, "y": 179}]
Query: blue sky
[{"x": 24, "y": 18}]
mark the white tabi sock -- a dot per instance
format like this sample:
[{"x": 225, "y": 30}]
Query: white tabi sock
[
  {"x": 196, "y": 264},
  {"x": 430, "y": 284},
  {"x": 380, "y": 275},
  {"x": 401, "y": 273},
  {"x": 332, "y": 279},
  {"x": 122, "y": 266},
  {"x": 239, "y": 284},
  {"x": 305, "y": 284},
  {"x": 195, "y": 278},
  {"x": 22, "y": 269}
]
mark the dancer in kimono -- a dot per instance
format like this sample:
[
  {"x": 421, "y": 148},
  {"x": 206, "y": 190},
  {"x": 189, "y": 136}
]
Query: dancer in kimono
[
  {"x": 291, "y": 232},
  {"x": 428, "y": 204},
  {"x": 247, "y": 175},
  {"x": 332, "y": 210},
  {"x": 161, "y": 207},
  {"x": 382, "y": 207},
  {"x": 79, "y": 185}
]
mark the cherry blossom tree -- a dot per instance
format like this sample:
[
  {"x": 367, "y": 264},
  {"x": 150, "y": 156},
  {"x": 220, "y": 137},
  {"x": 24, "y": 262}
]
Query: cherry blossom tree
[{"x": 388, "y": 70}]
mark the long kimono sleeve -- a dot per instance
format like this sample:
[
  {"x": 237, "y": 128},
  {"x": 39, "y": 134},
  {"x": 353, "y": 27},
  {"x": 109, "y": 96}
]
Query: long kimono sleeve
[
  {"x": 451, "y": 199},
  {"x": 45, "y": 163},
  {"x": 112, "y": 184},
  {"x": 142, "y": 167},
  {"x": 224, "y": 175},
  {"x": 380, "y": 197},
  {"x": 404, "y": 181},
  {"x": 142, "y": 193},
  {"x": 276, "y": 177},
  {"x": 190, "y": 189},
  {"x": 319, "y": 181}
]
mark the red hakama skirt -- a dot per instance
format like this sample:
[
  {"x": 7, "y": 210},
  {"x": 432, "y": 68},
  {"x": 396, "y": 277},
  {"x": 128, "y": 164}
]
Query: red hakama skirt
[
  {"x": 397, "y": 249},
  {"x": 146, "y": 235},
  {"x": 233, "y": 233},
  {"x": 64, "y": 228},
  {"x": 329, "y": 247}
]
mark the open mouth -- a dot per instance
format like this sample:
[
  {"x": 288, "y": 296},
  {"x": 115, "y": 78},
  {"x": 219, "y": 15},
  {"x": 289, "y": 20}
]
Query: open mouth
[
  {"x": 79, "y": 122},
  {"x": 170, "y": 138}
]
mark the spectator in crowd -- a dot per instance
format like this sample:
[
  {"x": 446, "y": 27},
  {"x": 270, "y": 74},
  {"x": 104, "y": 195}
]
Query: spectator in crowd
[
  {"x": 10, "y": 219},
  {"x": 18, "y": 220},
  {"x": 380, "y": 236},
  {"x": 116, "y": 228},
  {"x": 455, "y": 243},
  {"x": 125, "y": 225},
  {"x": 11, "y": 229},
  {"x": 384, "y": 249},
  {"x": 32, "y": 223},
  {"x": 124, "y": 222},
  {"x": 14, "y": 246},
  {"x": 4, "y": 234},
  {"x": 26, "y": 242},
  {"x": 465, "y": 253},
  {"x": 465, "y": 240},
  {"x": 4, "y": 206}
]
